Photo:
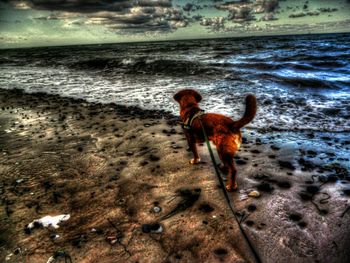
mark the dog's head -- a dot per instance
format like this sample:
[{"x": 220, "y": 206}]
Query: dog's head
[{"x": 187, "y": 98}]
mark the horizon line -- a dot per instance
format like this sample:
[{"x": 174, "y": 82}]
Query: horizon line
[{"x": 175, "y": 40}]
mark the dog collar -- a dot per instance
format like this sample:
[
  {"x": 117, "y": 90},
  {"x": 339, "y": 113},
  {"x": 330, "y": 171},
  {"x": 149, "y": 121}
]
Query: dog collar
[{"x": 187, "y": 124}]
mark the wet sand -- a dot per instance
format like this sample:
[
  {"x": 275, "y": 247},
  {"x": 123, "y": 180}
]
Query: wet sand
[{"x": 114, "y": 169}]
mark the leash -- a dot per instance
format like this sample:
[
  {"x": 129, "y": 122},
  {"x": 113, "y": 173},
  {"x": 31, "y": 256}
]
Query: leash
[{"x": 257, "y": 258}]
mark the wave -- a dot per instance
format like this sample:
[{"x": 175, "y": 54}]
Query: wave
[
  {"x": 301, "y": 82},
  {"x": 145, "y": 65}
]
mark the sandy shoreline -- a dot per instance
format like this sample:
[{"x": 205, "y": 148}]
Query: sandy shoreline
[{"x": 108, "y": 166}]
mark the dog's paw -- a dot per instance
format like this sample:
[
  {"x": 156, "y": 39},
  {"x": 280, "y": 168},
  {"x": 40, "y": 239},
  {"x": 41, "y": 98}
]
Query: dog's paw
[
  {"x": 195, "y": 161},
  {"x": 231, "y": 188}
]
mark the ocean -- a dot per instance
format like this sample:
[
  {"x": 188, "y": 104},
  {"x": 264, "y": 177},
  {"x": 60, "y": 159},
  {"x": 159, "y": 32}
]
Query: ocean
[{"x": 302, "y": 83}]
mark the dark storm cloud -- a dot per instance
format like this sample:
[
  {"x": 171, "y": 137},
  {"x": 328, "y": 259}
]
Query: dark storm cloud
[
  {"x": 328, "y": 9},
  {"x": 297, "y": 15},
  {"x": 90, "y": 6},
  {"x": 269, "y": 5},
  {"x": 129, "y": 15},
  {"x": 189, "y": 7},
  {"x": 244, "y": 10},
  {"x": 215, "y": 23}
]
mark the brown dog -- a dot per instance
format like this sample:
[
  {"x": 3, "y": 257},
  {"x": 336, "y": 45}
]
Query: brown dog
[{"x": 221, "y": 130}]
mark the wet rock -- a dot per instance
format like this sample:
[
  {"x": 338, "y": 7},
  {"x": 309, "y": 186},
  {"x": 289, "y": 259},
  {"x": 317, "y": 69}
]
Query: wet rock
[
  {"x": 284, "y": 184},
  {"x": 302, "y": 224},
  {"x": 306, "y": 165},
  {"x": 305, "y": 196},
  {"x": 249, "y": 223},
  {"x": 287, "y": 165},
  {"x": 220, "y": 251},
  {"x": 17, "y": 251},
  {"x": 157, "y": 209},
  {"x": 255, "y": 151},
  {"x": 260, "y": 176},
  {"x": 331, "y": 111},
  {"x": 265, "y": 187},
  {"x": 154, "y": 158},
  {"x": 152, "y": 228},
  {"x": 274, "y": 147},
  {"x": 295, "y": 217},
  {"x": 206, "y": 208},
  {"x": 123, "y": 162},
  {"x": 311, "y": 153},
  {"x": 312, "y": 189},
  {"x": 251, "y": 207},
  {"x": 254, "y": 193},
  {"x": 346, "y": 191},
  {"x": 143, "y": 163},
  {"x": 241, "y": 162}
]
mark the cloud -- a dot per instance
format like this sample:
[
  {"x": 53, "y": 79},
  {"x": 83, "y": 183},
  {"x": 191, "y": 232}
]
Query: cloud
[
  {"x": 328, "y": 9},
  {"x": 297, "y": 15},
  {"x": 268, "y": 6},
  {"x": 134, "y": 16},
  {"x": 189, "y": 7},
  {"x": 245, "y": 10}
]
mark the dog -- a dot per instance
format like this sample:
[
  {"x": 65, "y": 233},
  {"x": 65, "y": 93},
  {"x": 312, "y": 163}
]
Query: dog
[{"x": 221, "y": 130}]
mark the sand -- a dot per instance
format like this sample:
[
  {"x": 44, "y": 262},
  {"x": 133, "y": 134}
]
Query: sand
[{"x": 114, "y": 169}]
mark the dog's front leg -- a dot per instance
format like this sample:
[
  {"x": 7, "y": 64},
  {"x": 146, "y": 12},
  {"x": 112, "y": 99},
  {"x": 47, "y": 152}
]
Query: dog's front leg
[{"x": 191, "y": 140}]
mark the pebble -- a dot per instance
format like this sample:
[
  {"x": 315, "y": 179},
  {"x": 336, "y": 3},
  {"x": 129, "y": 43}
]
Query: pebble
[
  {"x": 243, "y": 197},
  {"x": 152, "y": 228},
  {"x": 157, "y": 209},
  {"x": 254, "y": 193},
  {"x": 8, "y": 257}
]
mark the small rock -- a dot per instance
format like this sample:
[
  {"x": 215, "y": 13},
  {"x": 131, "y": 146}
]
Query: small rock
[
  {"x": 265, "y": 187},
  {"x": 152, "y": 228},
  {"x": 284, "y": 184},
  {"x": 8, "y": 257},
  {"x": 154, "y": 158},
  {"x": 254, "y": 193},
  {"x": 220, "y": 251},
  {"x": 251, "y": 207},
  {"x": 157, "y": 209},
  {"x": 206, "y": 208},
  {"x": 295, "y": 217},
  {"x": 54, "y": 236},
  {"x": 286, "y": 164}
]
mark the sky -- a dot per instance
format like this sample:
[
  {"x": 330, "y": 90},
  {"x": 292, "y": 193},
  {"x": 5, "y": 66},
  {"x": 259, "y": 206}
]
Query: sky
[{"x": 29, "y": 23}]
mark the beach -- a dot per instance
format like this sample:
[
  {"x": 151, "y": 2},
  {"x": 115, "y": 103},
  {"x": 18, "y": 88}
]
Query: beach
[{"x": 115, "y": 168}]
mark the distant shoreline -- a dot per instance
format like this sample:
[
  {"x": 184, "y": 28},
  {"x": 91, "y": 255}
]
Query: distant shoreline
[{"x": 178, "y": 40}]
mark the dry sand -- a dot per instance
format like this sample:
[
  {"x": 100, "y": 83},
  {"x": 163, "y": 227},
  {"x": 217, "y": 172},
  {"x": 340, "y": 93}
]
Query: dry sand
[{"x": 108, "y": 167}]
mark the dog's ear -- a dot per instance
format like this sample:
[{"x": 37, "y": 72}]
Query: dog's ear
[
  {"x": 197, "y": 96},
  {"x": 178, "y": 96}
]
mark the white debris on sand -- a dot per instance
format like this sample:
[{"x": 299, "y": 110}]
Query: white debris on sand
[
  {"x": 51, "y": 260},
  {"x": 8, "y": 257},
  {"x": 47, "y": 221}
]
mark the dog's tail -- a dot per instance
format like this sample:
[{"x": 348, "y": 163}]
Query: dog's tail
[{"x": 249, "y": 114}]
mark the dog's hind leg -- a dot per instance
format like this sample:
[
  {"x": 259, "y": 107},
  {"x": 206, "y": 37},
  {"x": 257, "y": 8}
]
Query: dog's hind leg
[
  {"x": 223, "y": 168},
  {"x": 191, "y": 140},
  {"x": 232, "y": 174},
  {"x": 226, "y": 154}
]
